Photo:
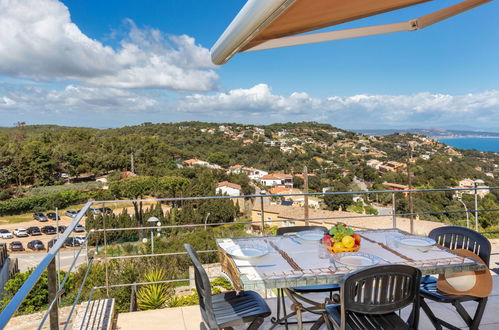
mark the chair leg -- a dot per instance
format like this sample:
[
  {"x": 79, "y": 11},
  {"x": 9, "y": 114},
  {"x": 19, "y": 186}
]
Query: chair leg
[
  {"x": 430, "y": 314},
  {"x": 327, "y": 321},
  {"x": 463, "y": 313},
  {"x": 284, "y": 308},
  {"x": 256, "y": 323},
  {"x": 479, "y": 313}
]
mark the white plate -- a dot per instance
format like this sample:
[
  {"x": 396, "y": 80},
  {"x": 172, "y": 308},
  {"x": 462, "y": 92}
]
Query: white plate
[
  {"x": 356, "y": 259},
  {"x": 415, "y": 242},
  {"x": 310, "y": 235},
  {"x": 246, "y": 252}
]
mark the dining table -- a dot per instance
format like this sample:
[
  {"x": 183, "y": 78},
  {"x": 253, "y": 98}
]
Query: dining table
[{"x": 289, "y": 261}]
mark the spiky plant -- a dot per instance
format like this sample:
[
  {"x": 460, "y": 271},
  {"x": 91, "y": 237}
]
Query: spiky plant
[{"x": 154, "y": 296}]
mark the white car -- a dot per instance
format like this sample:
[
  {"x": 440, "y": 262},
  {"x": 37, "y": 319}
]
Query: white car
[
  {"x": 80, "y": 239},
  {"x": 4, "y": 233},
  {"x": 21, "y": 232}
]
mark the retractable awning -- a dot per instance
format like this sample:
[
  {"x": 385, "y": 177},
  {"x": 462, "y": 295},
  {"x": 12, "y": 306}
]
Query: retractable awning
[{"x": 265, "y": 24}]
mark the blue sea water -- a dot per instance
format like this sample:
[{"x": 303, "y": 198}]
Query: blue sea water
[{"x": 481, "y": 144}]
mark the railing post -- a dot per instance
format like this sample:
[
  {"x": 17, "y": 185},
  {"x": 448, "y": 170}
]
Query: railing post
[
  {"x": 305, "y": 197},
  {"x": 105, "y": 255},
  {"x": 394, "y": 211},
  {"x": 263, "y": 215},
  {"x": 476, "y": 206},
  {"x": 133, "y": 298},
  {"x": 52, "y": 295}
]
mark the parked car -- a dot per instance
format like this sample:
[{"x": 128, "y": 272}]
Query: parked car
[
  {"x": 72, "y": 241},
  {"x": 52, "y": 242},
  {"x": 49, "y": 230},
  {"x": 34, "y": 231},
  {"x": 79, "y": 229},
  {"x": 16, "y": 246},
  {"x": 21, "y": 232},
  {"x": 106, "y": 210},
  {"x": 36, "y": 245},
  {"x": 71, "y": 213},
  {"x": 96, "y": 210},
  {"x": 53, "y": 216},
  {"x": 40, "y": 217},
  {"x": 80, "y": 239},
  {"x": 4, "y": 233},
  {"x": 61, "y": 229}
]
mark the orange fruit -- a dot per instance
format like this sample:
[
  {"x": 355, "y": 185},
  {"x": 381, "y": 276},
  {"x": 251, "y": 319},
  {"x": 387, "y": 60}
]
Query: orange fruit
[
  {"x": 356, "y": 237},
  {"x": 348, "y": 241}
]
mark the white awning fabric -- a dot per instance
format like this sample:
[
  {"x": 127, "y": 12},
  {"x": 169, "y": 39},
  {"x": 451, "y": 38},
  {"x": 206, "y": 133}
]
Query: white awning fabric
[{"x": 265, "y": 24}]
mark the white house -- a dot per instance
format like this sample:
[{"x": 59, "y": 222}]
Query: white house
[
  {"x": 228, "y": 188},
  {"x": 277, "y": 180}
]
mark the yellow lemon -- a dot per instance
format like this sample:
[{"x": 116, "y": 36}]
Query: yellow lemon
[
  {"x": 339, "y": 245},
  {"x": 348, "y": 241}
]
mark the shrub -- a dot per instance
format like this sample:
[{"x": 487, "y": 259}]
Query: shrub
[{"x": 154, "y": 296}]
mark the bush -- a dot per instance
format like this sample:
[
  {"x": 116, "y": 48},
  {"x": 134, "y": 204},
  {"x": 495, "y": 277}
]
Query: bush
[
  {"x": 37, "y": 299},
  {"x": 41, "y": 203},
  {"x": 154, "y": 296}
]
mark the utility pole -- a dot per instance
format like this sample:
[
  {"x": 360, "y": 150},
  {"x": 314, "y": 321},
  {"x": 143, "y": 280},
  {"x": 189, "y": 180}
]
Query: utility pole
[
  {"x": 132, "y": 166},
  {"x": 305, "y": 198},
  {"x": 409, "y": 179}
]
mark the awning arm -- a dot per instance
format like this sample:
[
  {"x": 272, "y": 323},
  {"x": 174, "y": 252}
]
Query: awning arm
[{"x": 411, "y": 25}]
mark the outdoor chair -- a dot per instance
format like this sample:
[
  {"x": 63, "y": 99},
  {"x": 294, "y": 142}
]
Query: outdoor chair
[
  {"x": 325, "y": 288},
  {"x": 454, "y": 237},
  {"x": 371, "y": 297},
  {"x": 228, "y": 309}
]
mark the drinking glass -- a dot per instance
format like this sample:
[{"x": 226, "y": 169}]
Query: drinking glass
[
  {"x": 322, "y": 250},
  {"x": 390, "y": 239}
]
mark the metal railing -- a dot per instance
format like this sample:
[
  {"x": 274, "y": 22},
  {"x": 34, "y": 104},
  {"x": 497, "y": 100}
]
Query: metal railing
[{"x": 56, "y": 291}]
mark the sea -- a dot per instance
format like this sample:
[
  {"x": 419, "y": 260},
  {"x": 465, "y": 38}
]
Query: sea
[{"x": 481, "y": 144}]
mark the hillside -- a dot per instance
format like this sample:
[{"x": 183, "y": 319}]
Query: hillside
[{"x": 337, "y": 159}]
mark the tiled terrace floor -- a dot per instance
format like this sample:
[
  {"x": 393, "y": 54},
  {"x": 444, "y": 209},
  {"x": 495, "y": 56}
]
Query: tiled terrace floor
[{"x": 189, "y": 318}]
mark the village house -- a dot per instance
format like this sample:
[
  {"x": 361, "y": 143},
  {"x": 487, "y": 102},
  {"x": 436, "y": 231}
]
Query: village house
[
  {"x": 228, "y": 188},
  {"x": 470, "y": 183},
  {"x": 277, "y": 180},
  {"x": 396, "y": 187},
  {"x": 194, "y": 161},
  {"x": 374, "y": 163},
  {"x": 252, "y": 173}
]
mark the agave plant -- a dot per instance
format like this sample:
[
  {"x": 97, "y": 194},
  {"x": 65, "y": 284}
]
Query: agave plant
[{"x": 154, "y": 296}]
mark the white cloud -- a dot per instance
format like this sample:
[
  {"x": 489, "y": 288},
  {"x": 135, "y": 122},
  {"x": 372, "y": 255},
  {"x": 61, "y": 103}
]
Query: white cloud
[
  {"x": 74, "y": 99},
  {"x": 39, "y": 41},
  {"x": 421, "y": 109}
]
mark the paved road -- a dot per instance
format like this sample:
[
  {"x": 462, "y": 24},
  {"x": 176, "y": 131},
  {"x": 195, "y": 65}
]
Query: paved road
[{"x": 30, "y": 260}]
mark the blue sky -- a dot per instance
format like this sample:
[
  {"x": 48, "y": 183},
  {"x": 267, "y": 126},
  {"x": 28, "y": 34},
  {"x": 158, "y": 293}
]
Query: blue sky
[{"x": 115, "y": 63}]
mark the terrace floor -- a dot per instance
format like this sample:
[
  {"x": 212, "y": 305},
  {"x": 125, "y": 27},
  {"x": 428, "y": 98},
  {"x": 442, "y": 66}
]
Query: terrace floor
[{"x": 189, "y": 318}]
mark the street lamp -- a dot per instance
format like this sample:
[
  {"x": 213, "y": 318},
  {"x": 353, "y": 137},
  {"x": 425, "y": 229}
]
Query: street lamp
[
  {"x": 206, "y": 219},
  {"x": 477, "y": 182},
  {"x": 152, "y": 220},
  {"x": 460, "y": 198}
]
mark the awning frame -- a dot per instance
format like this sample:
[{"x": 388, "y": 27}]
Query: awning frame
[{"x": 235, "y": 37}]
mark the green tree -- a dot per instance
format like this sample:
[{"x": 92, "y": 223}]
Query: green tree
[
  {"x": 220, "y": 158},
  {"x": 134, "y": 188},
  {"x": 341, "y": 201},
  {"x": 170, "y": 186}
]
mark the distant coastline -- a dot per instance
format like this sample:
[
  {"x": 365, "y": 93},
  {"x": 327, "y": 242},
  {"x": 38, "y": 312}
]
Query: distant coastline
[
  {"x": 434, "y": 133},
  {"x": 486, "y": 143}
]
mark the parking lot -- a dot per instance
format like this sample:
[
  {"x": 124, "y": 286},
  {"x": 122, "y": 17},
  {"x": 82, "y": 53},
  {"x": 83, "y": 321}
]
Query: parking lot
[{"x": 63, "y": 221}]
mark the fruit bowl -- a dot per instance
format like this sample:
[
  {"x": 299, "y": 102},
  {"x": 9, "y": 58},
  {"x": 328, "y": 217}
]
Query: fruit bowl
[
  {"x": 341, "y": 238},
  {"x": 334, "y": 249}
]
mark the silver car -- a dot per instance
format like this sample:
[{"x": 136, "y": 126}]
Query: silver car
[
  {"x": 21, "y": 232},
  {"x": 4, "y": 233}
]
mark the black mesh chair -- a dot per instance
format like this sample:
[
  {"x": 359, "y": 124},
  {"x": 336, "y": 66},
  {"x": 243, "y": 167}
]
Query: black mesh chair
[
  {"x": 454, "y": 237},
  {"x": 228, "y": 309},
  {"x": 370, "y": 298},
  {"x": 325, "y": 288}
]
